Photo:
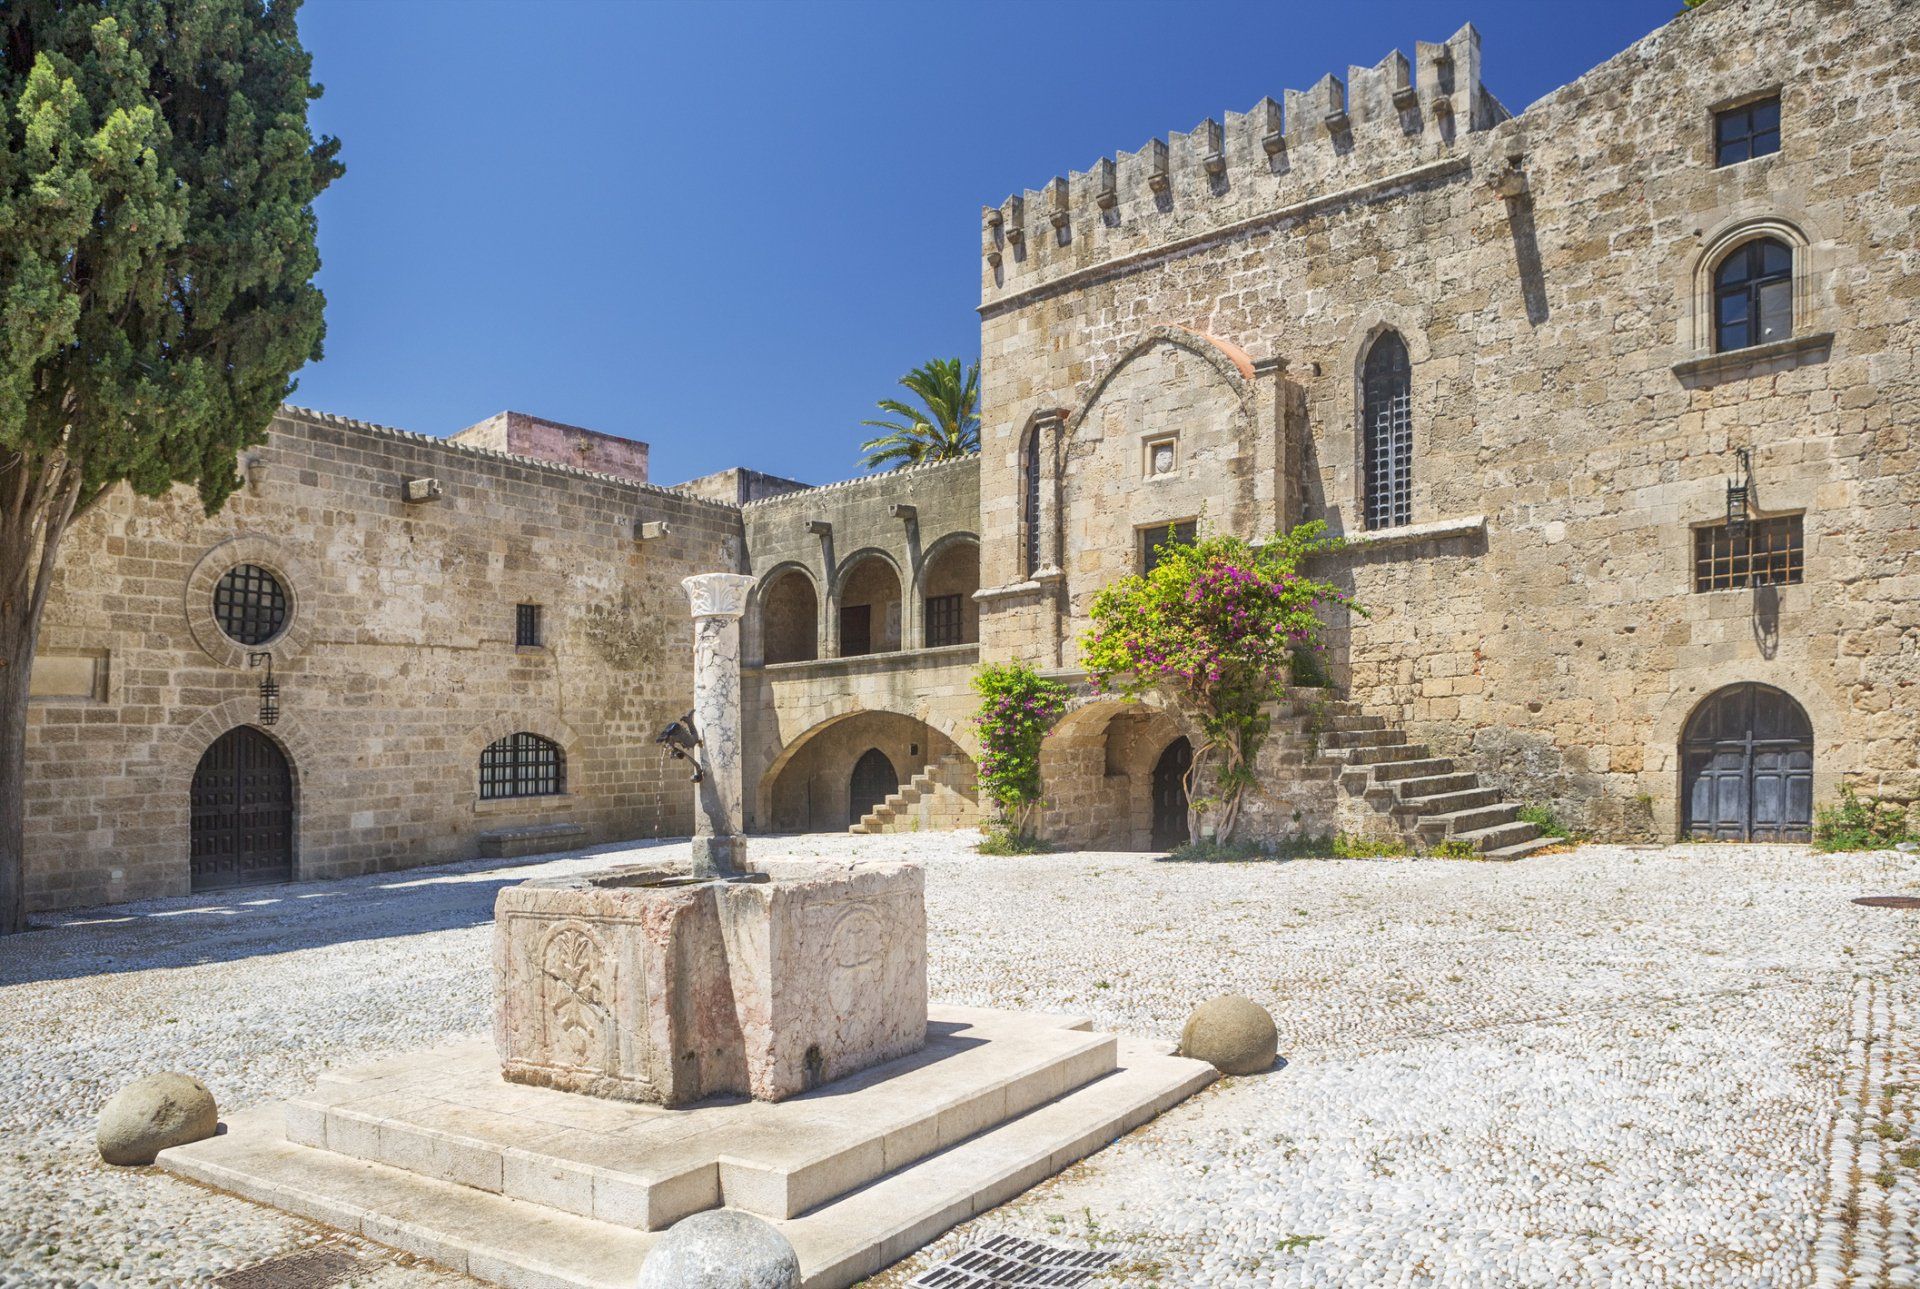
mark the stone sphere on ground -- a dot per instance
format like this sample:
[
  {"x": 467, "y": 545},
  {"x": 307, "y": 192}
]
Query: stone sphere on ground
[
  {"x": 151, "y": 1114},
  {"x": 721, "y": 1248},
  {"x": 1235, "y": 1035}
]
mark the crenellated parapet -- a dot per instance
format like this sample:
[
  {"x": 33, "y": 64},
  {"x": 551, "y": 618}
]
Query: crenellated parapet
[{"x": 1384, "y": 120}]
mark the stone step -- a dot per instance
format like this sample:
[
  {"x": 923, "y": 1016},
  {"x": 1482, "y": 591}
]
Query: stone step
[
  {"x": 1355, "y": 757},
  {"x": 448, "y": 1115},
  {"x": 1435, "y": 785},
  {"x": 1417, "y": 768},
  {"x": 506, "y": 1241},
  {"x": 1500, "y": 836},
  {"x": 1355, "y": 722},
  {"x": 1362, "y": 738},
  {"x": 1441, "y": 803},
  {"x": 1458, "y": 823},
  {"x": 1520, "y": 850}
]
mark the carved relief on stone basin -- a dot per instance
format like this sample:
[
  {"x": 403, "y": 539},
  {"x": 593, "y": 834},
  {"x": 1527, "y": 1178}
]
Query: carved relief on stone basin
[{"x": 643, "y": 985}]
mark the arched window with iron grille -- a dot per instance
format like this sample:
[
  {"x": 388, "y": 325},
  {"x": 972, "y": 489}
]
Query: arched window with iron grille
[
  {"x": 1030, "y": 500},
  {"x": 1387, "y": 423},
  {"x": 522, "y": 765}
]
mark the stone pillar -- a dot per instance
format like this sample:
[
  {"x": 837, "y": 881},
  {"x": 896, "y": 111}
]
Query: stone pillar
[
  {"x": 1050, "y": 574},
  {"x": 718, "y": 601}
]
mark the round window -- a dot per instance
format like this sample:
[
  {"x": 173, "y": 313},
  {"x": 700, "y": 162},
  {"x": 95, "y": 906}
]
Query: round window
[{"x": 249, "y": 604}]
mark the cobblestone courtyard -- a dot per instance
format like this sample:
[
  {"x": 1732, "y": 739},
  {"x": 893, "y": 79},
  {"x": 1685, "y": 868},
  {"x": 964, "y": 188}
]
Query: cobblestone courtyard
[{"x": 1681, "y": 1066}]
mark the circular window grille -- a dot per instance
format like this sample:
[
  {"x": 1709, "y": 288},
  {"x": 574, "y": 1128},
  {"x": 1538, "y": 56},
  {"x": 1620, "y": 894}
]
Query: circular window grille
[{"x": 249, "y": 604}]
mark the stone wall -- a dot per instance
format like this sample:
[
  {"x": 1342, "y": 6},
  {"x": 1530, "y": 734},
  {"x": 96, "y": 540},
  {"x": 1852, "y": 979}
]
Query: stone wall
[
  {"x": 558, "y": 443},
  {"x": 399, "y": 664},
  {"x": 1570, "y": 423}
]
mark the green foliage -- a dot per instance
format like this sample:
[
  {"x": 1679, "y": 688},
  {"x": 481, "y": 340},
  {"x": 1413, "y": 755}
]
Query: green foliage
[
  {"x": 947, "y": 426},
  {"x": 1862, "y": 823},
  {"x": 1003, "y": 839},
  {"x": 1216, "y": 626},
  {"x": 156, "y": 236},
  {"x": 1452, "y": 848},
  {"x": 1213, "y": 852},
  {"x": 1549, "y": 824},
  {"x": 157, "y": 179},
  {"x": 1017, "y": 707}
]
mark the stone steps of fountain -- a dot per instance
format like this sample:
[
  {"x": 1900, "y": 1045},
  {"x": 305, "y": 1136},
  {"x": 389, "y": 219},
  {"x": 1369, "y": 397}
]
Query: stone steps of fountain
[
  {"x": 447, "y": 1114},
  {"x": 515, "y": 1241}
]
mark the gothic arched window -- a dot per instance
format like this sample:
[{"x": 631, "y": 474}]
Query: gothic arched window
[
  {"x": 1753, "y": 295},
  {"x": 1030, "y": 500},
  {"x": 1387, "y": 423}
]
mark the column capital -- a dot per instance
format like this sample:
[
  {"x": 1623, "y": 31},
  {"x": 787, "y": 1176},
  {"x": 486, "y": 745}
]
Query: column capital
[{"x": 718, "y": 595}]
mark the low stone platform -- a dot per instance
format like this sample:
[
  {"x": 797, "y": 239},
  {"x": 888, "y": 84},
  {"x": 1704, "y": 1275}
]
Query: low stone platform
[{"x": 439, "y": 1156}]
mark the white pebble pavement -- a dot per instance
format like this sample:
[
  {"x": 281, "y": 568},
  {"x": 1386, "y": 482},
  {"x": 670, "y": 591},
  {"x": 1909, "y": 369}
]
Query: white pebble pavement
[{"x": 1684, "y": 1066}]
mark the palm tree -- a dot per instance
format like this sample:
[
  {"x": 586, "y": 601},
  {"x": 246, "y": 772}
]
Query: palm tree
[{"x": 947, "y": 428}]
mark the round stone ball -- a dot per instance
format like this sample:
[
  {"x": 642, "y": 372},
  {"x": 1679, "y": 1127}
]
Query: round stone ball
[
  {"x": 1235, "y": 1035},
  {"x": 721, "y": 1248},
  {"x": 151, "y": 1114}
]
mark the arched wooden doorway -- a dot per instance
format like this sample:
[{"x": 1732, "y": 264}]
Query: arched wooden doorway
[
  {"x": 1170, "y": 795},
  {"x": 1747, "y": 767},
  {"x": 242, "y": 813},
  {"x": 874, "y": 780}
]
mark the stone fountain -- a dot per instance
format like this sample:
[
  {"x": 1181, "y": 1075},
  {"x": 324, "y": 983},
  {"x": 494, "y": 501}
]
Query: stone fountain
[
  {"x": 646, "y": 984},
  {"x": 748, "y": 1031}
]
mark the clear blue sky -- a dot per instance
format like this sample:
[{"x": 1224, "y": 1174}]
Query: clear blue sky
[{"x": 727, "y": 228}]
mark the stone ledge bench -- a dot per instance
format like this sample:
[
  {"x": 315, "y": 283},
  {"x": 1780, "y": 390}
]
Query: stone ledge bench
[{"x": 532, "y": 839}]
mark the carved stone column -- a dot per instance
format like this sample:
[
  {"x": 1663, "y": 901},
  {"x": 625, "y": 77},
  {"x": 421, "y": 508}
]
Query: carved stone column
[{"x": 718, "y": 601}]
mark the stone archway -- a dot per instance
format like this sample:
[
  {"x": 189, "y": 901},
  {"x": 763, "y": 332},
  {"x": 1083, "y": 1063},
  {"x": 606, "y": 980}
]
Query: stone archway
[
  {"x": 868, "y": 605},
  {"x": 789, "y": 610},
  {"x": 807, "y": 789}
]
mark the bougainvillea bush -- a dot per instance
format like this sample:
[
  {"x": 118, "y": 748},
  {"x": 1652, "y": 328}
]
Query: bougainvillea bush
[
  {"x": 1216, "y": 627},
  {"x": 1017, "y": 707}
]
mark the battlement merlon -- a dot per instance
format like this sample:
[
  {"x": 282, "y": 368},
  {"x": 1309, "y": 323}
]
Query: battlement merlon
[{"x": 1380, "y": 120}]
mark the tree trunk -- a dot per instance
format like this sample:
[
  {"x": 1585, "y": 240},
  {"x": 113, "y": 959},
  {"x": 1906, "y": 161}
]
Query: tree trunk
[
  {"x": 36, "y": 504},
  {"x": 16, "y": 660}
]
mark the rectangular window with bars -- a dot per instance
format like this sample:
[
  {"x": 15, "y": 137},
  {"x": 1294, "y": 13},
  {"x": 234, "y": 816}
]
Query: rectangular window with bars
[
  {"x": 943, "y": 621},
  {"x": 1770, "y": 552},
  {"x": 526, "y": 627},
  {"x": 1152, "y": 539}
]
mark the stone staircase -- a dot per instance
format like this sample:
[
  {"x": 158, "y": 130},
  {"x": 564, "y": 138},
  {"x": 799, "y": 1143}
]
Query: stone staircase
[
  {"x": 1395, "y": 786},
  {"x": 942, "y": 796}
]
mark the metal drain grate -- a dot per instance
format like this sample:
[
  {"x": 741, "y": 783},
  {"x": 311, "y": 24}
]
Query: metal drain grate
[
  {"x": 308, "y": 1269},
  {"x": 1890, "y": 901},
  {"x": 1009, "y": 1262}
]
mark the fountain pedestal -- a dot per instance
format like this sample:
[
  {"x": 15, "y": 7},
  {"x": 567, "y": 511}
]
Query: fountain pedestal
[{"x": 640, "y": 986}]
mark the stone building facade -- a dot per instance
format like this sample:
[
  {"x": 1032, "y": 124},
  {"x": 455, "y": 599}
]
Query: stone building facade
[
  {"x": 1610, "y": 397},
  {"x": 1574, "y": 412}
]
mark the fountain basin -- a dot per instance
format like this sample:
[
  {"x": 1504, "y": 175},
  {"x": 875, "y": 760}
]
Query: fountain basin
[{"x": 644, "y": 984}]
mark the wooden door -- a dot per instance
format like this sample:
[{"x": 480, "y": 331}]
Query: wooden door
[
  {"x": 1170, "y": 795},
  {"x": 242, "y": 813}
]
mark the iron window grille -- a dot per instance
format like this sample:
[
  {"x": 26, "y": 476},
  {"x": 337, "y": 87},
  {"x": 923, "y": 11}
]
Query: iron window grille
[
  {"x": 1388, "y": 416},
  {"x": 1771, "y": 552},
  {"x": 1030, "y": 501},
  {"x": 1753, "y": 295},
  {"x": 1745, "y": 132},
  {"x": 526, "y": 626},
  {"x": 1152, "y": 540},
  {"x": 943, "y": 620},
  {"x": 522, "y": 765},
  {"x": 250, "y": 604}
]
